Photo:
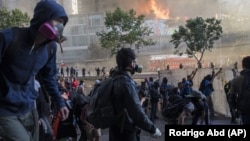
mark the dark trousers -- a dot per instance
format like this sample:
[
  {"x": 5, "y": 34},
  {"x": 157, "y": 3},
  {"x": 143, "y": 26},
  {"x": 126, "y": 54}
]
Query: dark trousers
[
  {"x": 153, "y": 110},
  {"x": 210, "y": 105},
  {"x": 207, "y": 113},
  {"x": 83, "y": 136},
  {"x": 232, "y": 111}
]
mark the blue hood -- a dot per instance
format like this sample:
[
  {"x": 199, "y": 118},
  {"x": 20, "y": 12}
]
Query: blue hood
[
  {"x": 17, "y": 92},
  {"x": 44, "y": 11}
]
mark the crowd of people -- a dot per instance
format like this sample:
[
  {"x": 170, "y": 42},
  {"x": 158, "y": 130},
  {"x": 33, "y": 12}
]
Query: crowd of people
[{"x": 70, "y": 71}]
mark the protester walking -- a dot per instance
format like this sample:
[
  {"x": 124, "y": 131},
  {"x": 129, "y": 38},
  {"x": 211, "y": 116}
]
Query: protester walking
[
  {"x": 18, "y": 115},
  {"x": 126, "y": 97}
]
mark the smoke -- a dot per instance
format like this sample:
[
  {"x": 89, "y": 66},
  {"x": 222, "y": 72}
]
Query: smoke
[
  {"x": 234, "y": 13},
  {"x": 178, "y": 8}
]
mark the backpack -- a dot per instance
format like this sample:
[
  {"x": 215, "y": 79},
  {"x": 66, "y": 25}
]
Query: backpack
[
  {"x": 78, "y": 102},
  {"x": 174, "y": 107},
  {"x": 101, "y": 112},
  {"x": 243, "y": 103}
]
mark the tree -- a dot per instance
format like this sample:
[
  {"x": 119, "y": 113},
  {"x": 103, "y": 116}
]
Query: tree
[
  {"x": 97, "y": 52},
  {"x": 198, "y": 35},
  {"x": 124, "y": 29},
  {"x": 13, "y": 18}
]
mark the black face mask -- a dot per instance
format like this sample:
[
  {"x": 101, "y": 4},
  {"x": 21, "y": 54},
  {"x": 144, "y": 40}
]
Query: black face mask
[{"x": 137, "y": 69}]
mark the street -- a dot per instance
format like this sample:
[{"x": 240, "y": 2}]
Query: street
[{"x": 161, "y": 123}]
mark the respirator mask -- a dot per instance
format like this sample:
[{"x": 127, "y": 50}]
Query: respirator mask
[
  {"x": 59, "y": 30},
  {"x": 53, "y": 32},
  {"x": 137, "y": 68}
]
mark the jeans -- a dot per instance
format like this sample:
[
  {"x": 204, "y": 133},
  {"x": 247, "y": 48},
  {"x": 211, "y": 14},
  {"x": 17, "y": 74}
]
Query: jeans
[
  {"x": 207, "y": 113},
  {"x": 210, "y": 105},
  {"x": 153, "y": 110},
  {"x": 23, "y": 128}
]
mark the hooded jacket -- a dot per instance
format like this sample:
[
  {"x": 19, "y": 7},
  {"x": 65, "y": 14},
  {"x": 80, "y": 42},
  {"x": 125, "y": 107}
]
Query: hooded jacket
[{"x": 17, "y": 92}]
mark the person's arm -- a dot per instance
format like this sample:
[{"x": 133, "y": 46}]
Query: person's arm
[
  {"x": 193, "y": 73},
  {"x": 134, "y": 108},
  {"x": 48, "y": 73}
]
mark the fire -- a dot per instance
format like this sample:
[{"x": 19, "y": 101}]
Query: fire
[
  {"x": 159, "y": 12},
  {"x": 151, "y": 7}
]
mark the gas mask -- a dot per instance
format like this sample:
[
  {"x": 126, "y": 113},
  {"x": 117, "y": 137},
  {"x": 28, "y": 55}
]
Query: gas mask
[
  {"x": 59, "y": 30},
  {"x": 53, "y": 32},
  {"x": 137, "y": 68}
]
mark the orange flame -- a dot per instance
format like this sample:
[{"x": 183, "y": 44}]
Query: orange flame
[
  {"x": 152, "y": 7},
  {"x": 158, "y": 11}
]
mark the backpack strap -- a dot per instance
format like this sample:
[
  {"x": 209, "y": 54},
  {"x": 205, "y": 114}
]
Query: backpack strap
[
  {"x": 42, "y": 88},
  {"x": 18, "y": 34}
]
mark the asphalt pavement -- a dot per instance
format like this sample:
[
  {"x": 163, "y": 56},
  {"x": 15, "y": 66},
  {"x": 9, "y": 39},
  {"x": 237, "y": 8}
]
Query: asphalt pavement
[{"x": 161, "y": 123}]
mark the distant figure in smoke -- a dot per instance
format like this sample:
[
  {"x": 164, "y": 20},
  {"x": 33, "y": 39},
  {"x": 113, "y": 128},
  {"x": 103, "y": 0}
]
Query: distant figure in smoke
[
  {"x": 212, "y": 65},
  {"x": 181, "y": 66},
  {"x": 83, "y": 72},
  {"x": 98, "y": 71},
  {"x": 103, "y": 71}
]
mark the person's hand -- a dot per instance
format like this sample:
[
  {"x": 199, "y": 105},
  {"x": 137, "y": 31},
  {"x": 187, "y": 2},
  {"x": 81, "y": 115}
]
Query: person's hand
[
  {"x": 64, "y": 113},
  {"x": 157, "y": 133}
]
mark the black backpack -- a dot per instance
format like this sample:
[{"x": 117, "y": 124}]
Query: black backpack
[
  {"x": 174, "y": 107},
  {"x": 101, "y": 112}
]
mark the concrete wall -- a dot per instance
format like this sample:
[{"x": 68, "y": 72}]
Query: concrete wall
[{"x": 218, "y": 96}]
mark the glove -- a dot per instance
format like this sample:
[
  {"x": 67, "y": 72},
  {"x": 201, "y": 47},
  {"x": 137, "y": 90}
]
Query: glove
[{"x": 157, "y": 133}]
